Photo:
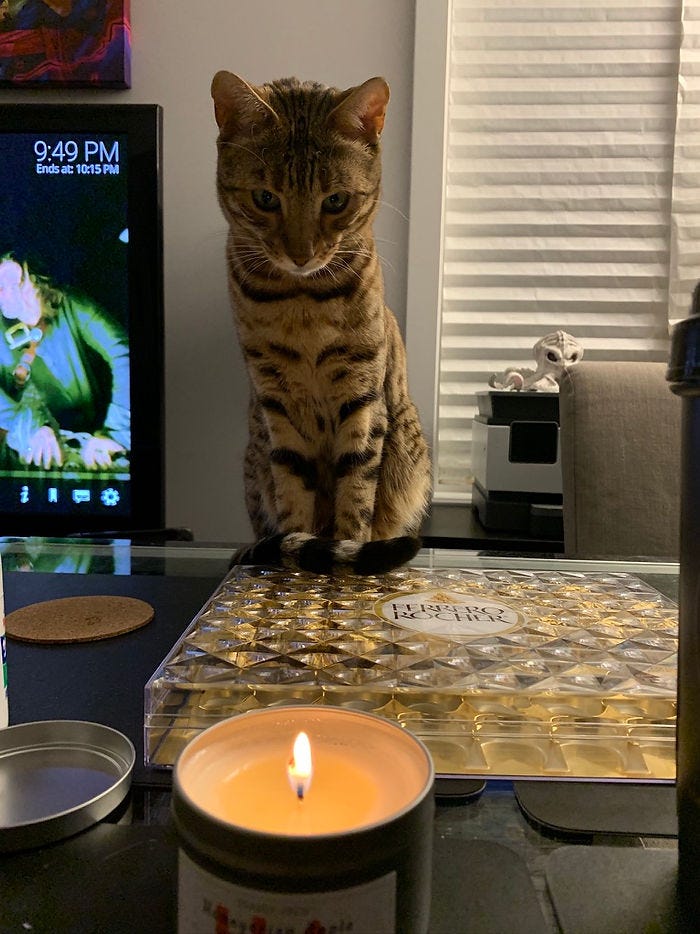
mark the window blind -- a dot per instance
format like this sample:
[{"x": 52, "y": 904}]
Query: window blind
[
  {"x": 685, "y": 205},
  {"x": 560, "y": 192}
]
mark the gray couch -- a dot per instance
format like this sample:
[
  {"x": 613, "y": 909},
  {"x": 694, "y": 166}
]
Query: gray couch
[{"x": 620, "y": 456}]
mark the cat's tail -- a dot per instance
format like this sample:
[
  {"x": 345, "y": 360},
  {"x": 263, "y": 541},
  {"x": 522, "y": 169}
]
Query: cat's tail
[{"x": 301, "y": 551}]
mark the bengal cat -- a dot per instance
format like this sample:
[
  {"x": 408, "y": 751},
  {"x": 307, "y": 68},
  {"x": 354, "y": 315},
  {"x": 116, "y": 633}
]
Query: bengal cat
[{"x": 337, "y": 471}]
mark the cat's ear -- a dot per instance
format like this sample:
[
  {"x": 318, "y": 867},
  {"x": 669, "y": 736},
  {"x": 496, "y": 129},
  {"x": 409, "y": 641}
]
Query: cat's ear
[
  {"x": 239, "y": 105},
  {"x": 360, "y": 113}
]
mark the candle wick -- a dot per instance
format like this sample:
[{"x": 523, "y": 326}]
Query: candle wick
[{"x": 300, "y": 791}]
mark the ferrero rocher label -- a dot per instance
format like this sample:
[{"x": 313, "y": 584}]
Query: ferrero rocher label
[{"x": 447, "y": 613}]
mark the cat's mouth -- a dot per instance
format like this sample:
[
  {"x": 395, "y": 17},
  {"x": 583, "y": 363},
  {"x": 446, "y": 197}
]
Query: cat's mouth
[{"x": 294, "y": 268}]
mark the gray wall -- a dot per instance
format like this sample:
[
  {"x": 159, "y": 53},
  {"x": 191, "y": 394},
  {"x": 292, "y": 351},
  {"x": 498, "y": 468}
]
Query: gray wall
[{"x": 177, "y": 46}]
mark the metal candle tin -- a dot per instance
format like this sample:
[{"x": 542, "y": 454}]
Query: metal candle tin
[
  {"x": 58, "y": 777},
  {"x": 374, "y": 876}
]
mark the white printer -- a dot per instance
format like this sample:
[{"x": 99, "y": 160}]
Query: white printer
[{"x": 516, "y": 462}]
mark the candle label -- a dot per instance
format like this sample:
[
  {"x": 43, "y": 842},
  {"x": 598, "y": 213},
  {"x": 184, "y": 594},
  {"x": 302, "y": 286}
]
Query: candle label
[
  {"x": 210, "y": 905},
  {"x": 446, "y": 612}
]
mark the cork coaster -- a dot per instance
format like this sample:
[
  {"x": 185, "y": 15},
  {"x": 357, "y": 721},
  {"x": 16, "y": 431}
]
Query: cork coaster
[{"x": 78, "y": 619}]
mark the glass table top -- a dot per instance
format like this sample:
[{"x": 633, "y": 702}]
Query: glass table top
[
  {"x": 122, "y": 556},
  {"x": 492, "y": 816}
]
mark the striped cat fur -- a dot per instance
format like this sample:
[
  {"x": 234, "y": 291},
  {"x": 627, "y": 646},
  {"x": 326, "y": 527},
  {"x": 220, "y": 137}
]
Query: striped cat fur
[{"x": 337, "y": 471}]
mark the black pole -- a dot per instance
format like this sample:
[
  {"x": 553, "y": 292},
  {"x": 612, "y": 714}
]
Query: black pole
[{"x": 684, "y": 376}]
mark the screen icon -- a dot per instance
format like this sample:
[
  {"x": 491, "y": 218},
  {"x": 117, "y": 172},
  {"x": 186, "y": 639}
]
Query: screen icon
[
  {"x": 110, "y": 496},
  {"x": 52, "y": 494},
  {"x": 81, "y": 496},
  {"x": 24, "y": 494}
]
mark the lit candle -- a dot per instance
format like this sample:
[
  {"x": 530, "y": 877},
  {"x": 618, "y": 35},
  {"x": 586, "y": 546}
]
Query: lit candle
[
  {"x": 332, "y": 803},
  {"x": 300, "y": 768}
]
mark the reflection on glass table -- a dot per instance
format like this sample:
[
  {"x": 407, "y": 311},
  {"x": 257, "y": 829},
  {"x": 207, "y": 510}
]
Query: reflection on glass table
[{"x": 113, "y": 556}]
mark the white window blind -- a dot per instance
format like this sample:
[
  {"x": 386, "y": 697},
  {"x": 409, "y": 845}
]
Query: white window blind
[
  {"x": 685, "y": 205},
  {"x": 568, "y": 200}
]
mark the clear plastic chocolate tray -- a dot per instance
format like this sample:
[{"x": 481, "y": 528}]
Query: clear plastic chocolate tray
[{"x": 500, "y": 672}]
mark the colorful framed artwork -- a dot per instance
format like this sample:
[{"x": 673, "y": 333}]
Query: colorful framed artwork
[{"x": 65, "y": 44}]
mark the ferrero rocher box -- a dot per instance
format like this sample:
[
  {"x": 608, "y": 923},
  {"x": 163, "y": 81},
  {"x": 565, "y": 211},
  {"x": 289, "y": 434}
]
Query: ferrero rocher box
[{"x": 501, "y": 673}]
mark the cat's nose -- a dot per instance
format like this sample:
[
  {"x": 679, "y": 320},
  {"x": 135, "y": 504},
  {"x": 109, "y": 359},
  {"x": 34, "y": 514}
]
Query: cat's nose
[
  {"x": 301, "y": 258},
  {"x": 299, "y": 249}
]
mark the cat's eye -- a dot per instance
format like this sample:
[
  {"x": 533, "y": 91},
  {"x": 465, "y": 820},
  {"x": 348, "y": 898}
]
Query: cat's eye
[
  {"x": 552, "y": 357},
  {"x": 265, "y": 200},
  {"x": 335, "y": 203}
]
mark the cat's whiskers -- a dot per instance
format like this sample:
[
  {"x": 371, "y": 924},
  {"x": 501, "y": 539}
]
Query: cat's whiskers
[
  {"x": 388, "y": 204},
  {"x": 351, "y": 253},
  {"x": 382, "y": 259},
  {"x": 385, "y": 262},
  {"x": 372, "y": 249},
  {"x": 324, "y": 270},
  {"x": 341, "y": 254},
  {"x": 252, "y": 263},
  {"x": 357, "y": 244},
  {"x": 247, "y": 248},
  {"x": 347, "y": 268},
  {"x": 252, "y": 257}
]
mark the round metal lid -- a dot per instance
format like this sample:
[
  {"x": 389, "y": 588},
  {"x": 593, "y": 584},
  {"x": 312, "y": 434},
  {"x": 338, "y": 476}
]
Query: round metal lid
[{"x": 58, "y": 777}]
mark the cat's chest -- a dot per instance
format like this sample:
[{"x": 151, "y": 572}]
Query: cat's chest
[{"x": 314, "y": 355}]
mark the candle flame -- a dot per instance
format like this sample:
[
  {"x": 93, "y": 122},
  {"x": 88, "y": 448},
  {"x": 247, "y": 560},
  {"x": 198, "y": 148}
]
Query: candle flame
[{"x": 300, "y": 769}]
